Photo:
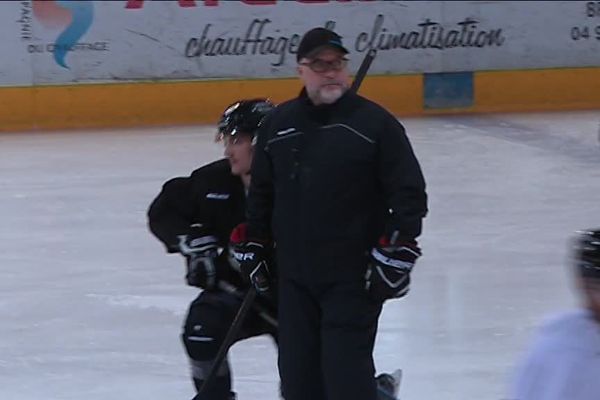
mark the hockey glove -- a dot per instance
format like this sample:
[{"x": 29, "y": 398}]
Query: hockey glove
[
  {"x": 251, "y": 256},
  {"x": 201, "y": 253},
  {"x": 237, "y": 240},
  {"x": 388, "y": 274}
]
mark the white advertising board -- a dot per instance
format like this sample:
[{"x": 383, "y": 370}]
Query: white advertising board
[{"x": 54, "y": 42}]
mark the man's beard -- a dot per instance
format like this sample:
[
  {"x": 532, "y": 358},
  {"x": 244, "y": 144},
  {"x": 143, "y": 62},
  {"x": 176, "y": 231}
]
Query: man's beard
[
  {"x": 331, "y": 94},
  {"x": 327, "y": 94}
]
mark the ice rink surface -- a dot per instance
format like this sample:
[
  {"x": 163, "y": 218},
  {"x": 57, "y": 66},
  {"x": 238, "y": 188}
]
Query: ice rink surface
[{"x": 91, "y": 306}]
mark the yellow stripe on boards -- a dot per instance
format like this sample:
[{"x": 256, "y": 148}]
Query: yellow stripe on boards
[{"x": 81, "y": 106}]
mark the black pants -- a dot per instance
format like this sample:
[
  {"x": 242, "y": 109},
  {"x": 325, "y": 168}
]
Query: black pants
[
  {"x": 209, "y": 318},
  {"x": 326, "y": 338}
]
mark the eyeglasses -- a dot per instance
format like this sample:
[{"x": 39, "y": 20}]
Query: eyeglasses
[{"x": 320, "y": 66}]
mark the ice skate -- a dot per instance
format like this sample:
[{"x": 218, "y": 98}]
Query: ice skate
[{"x": 388, "y": 385}]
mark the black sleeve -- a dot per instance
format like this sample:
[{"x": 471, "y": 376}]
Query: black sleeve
[
  {"x": 260, "y": 194},
  {"x": 402, "y": 182},
  {"x": 173, "y": 212}
]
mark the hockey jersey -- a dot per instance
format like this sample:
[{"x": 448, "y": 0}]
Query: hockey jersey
[{"x": 563, "y": 362}]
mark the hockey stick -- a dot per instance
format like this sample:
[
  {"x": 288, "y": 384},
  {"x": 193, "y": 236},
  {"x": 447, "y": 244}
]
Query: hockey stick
[
  {"x": 363, "y": 69},
  {"x": 230, "y": 337},
  {"x": 261, "y": 311}
]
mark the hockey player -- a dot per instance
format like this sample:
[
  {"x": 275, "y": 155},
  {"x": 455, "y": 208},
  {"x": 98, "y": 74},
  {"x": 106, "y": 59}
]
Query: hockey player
[
  {"x": 195, "y": 216},
  {"x": 564, "y": 359}
]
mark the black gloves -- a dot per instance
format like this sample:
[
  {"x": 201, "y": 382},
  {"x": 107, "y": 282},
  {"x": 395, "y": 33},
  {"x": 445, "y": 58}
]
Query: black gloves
[
  {"x": 388, "y": 273},
  {"x": 252, "y": 258},
  {"x": 200, "y": 253}
]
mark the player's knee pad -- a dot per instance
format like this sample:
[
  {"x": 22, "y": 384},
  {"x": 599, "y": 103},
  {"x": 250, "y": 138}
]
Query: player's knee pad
[
  {"x": 201, "y": 341},
  {"x": 205, "y": 328},
  {"x": 202, "y": 345}
]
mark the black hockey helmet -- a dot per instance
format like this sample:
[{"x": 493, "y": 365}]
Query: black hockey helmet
[
  {"x": 243, "y": 117},
  {"x": 587, "y": 253}
]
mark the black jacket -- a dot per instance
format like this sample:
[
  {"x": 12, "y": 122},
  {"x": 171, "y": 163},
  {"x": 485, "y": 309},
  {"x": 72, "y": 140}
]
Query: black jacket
[
  {"x": 328, "y": 181},
  {"x": 211, "y": 200}
]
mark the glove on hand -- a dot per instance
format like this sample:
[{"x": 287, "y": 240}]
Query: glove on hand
[
  {"x": 388, "y": 273},
  {"x": 252, "y": 258},
  {"x": 200, "y": 253}
]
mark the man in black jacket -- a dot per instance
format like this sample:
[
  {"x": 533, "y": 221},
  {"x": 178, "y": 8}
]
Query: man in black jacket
[
  {"x": 336, "y": 185},
  {"x": 197, "y": 217}
]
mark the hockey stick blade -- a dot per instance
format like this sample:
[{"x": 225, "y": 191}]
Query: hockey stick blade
[
  {"x": 234, "y": 330},
  {"x": 363, "y": 69}
]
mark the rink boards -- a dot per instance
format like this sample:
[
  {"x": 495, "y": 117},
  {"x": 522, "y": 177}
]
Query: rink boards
[
  {"x": 199, "y": 102},
  {"x": 134, "y": 63}
]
